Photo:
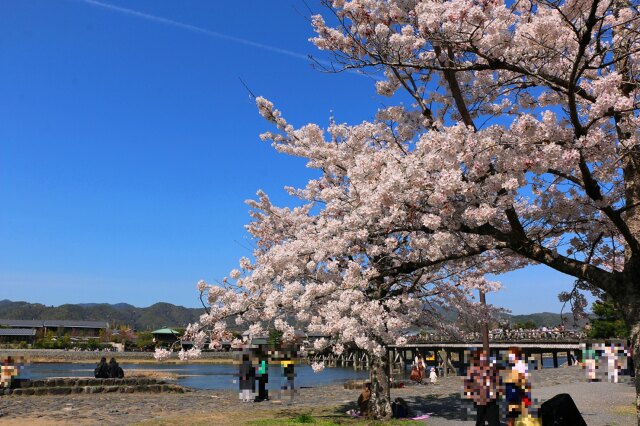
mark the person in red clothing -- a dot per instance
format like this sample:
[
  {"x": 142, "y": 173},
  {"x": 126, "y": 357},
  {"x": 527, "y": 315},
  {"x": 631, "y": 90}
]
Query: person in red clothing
[{"x": 419, "y": 364}]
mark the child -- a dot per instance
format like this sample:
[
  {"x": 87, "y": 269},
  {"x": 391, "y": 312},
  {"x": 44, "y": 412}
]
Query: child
[{"x": 433, "y": 377}]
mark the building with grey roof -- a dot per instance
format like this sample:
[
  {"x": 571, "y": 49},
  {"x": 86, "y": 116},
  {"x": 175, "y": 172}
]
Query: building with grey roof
[
  {"x": 8, "y": 335},
  {"x": 75, "y": 328}
]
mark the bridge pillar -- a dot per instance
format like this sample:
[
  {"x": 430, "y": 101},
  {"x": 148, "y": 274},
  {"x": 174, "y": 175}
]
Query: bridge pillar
[
  {"x": 461, "y": 362},
  {"x": 555, "y": 359},
  {"x": 538, "y": 358}
]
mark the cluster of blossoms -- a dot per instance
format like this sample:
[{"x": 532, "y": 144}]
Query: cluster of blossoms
[{"x": 521, "y": 146}]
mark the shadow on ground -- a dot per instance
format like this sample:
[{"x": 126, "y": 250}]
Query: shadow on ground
[{"x": 449, "y": 407}]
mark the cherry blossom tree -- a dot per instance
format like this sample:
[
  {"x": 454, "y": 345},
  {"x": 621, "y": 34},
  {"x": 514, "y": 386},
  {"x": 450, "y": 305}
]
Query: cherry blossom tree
[
  {"x": 520, "y": 146},
  {"x": 338, "y": 275}
]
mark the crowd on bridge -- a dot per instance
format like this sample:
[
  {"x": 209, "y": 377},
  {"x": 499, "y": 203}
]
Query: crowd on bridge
[{"x": 504, "y": 334}]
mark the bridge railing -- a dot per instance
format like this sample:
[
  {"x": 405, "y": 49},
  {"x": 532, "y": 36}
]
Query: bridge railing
[{"x": 503, "y": 336}]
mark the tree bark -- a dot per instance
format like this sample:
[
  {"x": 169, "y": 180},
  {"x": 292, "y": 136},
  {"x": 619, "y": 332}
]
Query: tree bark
[
  {"x": 634, "y": 329},
  {"x": 484, "y": 326},
  {"x": 636, "y": 362},
  {"x": 631, "y": 296},
  {"x": 628, "y": 300},
  {"x": 380, "y": 401}
]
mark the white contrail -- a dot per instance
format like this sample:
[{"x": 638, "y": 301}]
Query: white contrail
[{"x": 195, "y": 29}]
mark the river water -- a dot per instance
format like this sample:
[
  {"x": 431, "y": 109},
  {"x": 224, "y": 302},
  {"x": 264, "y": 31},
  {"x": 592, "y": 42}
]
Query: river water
[
  {"x": 214, "y": 376},
  {"x": 198, "y": 376}
]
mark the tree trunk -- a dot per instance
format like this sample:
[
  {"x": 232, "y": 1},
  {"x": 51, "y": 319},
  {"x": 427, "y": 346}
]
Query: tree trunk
[
  {"x": 380, "y": 402},
  {"x": 634, "y": 331},
  {"x": 636, "y": 363},
  {"x": 629, "y": 302}
]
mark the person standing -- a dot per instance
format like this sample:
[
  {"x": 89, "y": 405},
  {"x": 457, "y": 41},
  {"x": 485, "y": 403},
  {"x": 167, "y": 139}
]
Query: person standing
[
  {"x": 247, "y": 376},
  {"x": 419, "y": 363},
  {"x": 263, "y": 375},
  {"x": 433, "y": 377},
  {"x": 590, "y": 361},
  {"x": 517, "y": 389},
  {"x": 8, "y": 370},
  {"x": 482, "y": 386},
  {"x": 289, "y": 376}
]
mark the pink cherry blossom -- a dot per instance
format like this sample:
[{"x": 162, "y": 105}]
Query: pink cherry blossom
[{"x": 521, "y": 146}]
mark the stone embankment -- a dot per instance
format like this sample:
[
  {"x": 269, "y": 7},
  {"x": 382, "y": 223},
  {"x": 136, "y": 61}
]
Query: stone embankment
[{"x": 73, "y": 385}]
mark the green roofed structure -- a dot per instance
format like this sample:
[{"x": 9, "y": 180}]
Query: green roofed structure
[{"x": 165, "y": 336}]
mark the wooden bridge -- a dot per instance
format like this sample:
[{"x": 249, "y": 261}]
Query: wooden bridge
[
  {"x": 448, "y": 356},
  {"x": 454, "y": 356}
]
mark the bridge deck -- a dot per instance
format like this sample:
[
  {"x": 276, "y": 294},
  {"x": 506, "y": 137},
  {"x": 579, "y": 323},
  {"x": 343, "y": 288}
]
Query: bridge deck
[{"x": 493, "y": 345}]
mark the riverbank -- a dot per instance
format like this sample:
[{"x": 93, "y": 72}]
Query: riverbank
[
  {"x": 58, "y": 356},
  {"x": 600, "y": 403}
]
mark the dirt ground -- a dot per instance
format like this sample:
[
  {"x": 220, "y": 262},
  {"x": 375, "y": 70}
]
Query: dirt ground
[{"x": 600, "y": 403}]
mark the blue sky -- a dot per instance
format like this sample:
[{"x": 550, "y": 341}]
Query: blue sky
[{"x": 128, "y": 144}]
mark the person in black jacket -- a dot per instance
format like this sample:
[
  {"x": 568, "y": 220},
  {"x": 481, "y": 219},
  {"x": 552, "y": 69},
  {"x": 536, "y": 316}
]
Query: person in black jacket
[
  {"x": 102, "y": 369},
  {"x": 247, "y": 376},
  {"x": 115, "y": 371}
]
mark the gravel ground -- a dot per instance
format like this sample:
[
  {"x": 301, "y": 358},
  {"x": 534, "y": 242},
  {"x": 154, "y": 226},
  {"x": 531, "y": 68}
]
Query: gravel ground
[{"x": 600, "y": 404}]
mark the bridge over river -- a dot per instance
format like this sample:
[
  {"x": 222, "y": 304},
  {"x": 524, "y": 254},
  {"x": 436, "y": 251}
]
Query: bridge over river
[{"x": 453, "y": 356}]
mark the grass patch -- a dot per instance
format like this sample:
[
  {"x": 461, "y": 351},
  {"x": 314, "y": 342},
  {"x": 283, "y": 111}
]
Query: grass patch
[
  {"x": 319, "y": 421},
  {"x": 625, "y": 409},
  {"x": 304, "y": 418},
  {"x": 293, "y": 422},
  {"x": 318, "y": 416}
]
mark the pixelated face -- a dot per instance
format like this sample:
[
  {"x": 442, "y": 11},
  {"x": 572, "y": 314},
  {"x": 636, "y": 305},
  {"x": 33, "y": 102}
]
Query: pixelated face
[{"x": 7, "y": 372}]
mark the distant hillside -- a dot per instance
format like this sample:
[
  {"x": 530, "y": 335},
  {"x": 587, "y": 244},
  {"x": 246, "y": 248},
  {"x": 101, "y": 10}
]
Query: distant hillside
[
  {"x": 152, "y": 317},
  {"x": 547, "y": 319},
  {"x": 168, "y": 315}
]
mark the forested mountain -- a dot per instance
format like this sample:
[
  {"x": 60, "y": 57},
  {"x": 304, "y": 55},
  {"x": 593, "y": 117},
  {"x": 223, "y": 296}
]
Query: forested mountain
[
  {"x": 169, "y": 315},
  {"x": 152, "y": 317}
]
